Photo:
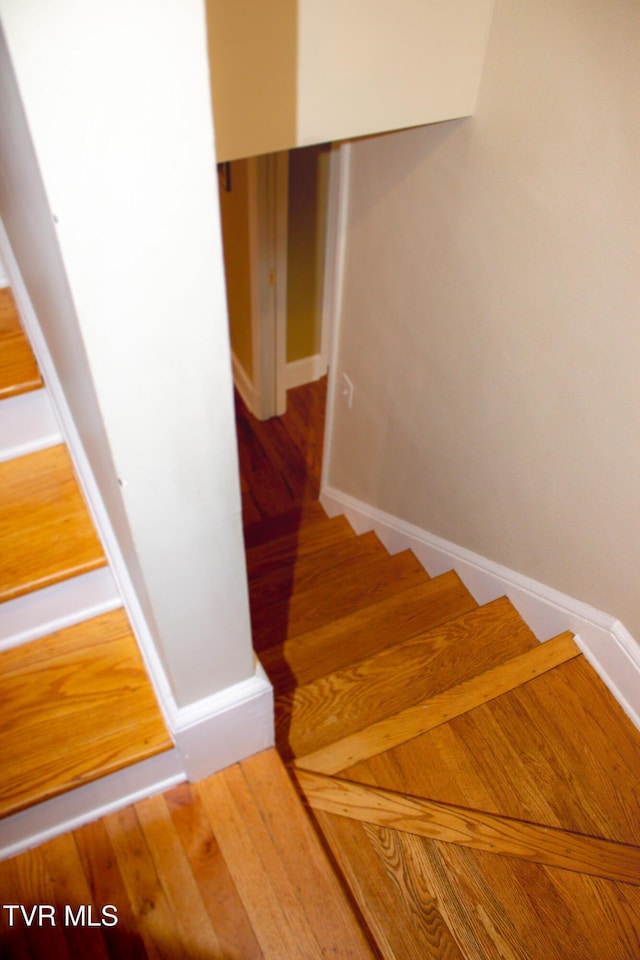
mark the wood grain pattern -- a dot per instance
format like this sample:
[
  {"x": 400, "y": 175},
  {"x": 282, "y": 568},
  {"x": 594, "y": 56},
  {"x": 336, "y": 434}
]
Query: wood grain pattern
[
  {"x": 503, "y": 907},
  {"x": 192, "y": 922},
  {"x": 301, "y": 854},
  {"x": 264, "y": 558},
  {"x": 155, "y": 915},
  {"x": 280, "y": 458},
  {"x": 333, "y": 596},
  {"x": 18, "y": 368},
  {"x": 334, "y": 565},
  {"x": 100, "y": 866},
  {"x": 396, "y": 926},
  {"x": 456, "y": 700},
  {"x": 351, "y": 699},
  {"x": 365, "y": 632},
  {"x": 46, "y": 534},
  {"x": 402, "y": 857},
  {"x": 472, "y": 828},
  {"x": 524, "y": 756},
  {"x": 76, "y": 705},
  {"x": 284, "y": 524},
  {"x": 277, "y": 864},
  {"x": 220, "y": 895}
]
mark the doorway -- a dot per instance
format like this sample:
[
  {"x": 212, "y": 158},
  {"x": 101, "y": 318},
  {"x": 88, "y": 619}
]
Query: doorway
[{"x": 282, "y": 217}]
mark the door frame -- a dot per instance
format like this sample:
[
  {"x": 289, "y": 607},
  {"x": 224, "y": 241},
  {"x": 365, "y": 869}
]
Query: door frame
[{"x": 268, "y": 215}]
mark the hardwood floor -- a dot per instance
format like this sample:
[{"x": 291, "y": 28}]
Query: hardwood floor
[
  {"x": 474, "y": 792},
  {"x": 227, "y": 868}
]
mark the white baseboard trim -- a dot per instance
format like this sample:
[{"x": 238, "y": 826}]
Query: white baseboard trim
[
  {"x": 226, "y": 727},
  {"x": 54, "y": 608},
  {"x": 34, "y": 826},
  {"x": 244, "y": 386},
  {"x": 27, "y": 424},
  {"x": 605, "y": 642},
  {"x": 306, "y": 370},
  {"x": 210, "y": 735}
]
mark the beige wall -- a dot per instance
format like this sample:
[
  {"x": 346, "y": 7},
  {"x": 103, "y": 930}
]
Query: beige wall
[
  {"x": 491, "y": 317},
  {"x": 253, "y": 57},
  {"x": 234, "y": 213}
]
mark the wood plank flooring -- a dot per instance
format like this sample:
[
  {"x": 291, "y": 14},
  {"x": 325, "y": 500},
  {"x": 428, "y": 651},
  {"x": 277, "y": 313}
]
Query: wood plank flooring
[
  {"x": 228, "y": 868},
  {"x": 476, "y": 791}
]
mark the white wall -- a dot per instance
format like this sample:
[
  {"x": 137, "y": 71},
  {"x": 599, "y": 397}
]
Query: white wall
[
  {"x": 129, "y": 290},
  {"x": 491, "y": 310}
]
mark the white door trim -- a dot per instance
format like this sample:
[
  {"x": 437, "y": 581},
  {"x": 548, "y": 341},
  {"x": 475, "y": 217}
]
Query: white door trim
[
  {"x": 268, "y": 218},
  {"x": 332, "y": 293}
]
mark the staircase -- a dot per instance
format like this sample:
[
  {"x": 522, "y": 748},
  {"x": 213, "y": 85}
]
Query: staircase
[
  {"x": 76, "y": 701},
  {"x": 478, "y": 790}
]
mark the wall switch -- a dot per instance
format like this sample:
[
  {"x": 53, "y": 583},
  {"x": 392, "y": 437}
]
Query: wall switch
[{"x": 347, "y": 391}]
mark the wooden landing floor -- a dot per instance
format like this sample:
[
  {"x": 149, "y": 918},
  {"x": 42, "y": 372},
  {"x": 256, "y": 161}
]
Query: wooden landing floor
[
  {"x": 510, "y": 829},
  {"x": 228, "y": 868}
]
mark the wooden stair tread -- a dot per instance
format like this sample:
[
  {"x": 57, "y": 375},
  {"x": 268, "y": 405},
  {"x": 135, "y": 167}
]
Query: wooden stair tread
[
  {"x": 543, "y": 735},
  {"x": 283, "y": 524},
  {"x": 46, "y": 534},
  {"x": 350, "y": 699},
  {"x": 365, "y": 632},
  {"x": 334, "y": 563},
  {"x": 334, "y": 596},
  {"x": 412, "y": 722},
  {"x": 556, "y": 752},
  {"x": 18, "y": 368},
  {"x": 77, "y": 705},
  {"x": 264, "y": 558}
]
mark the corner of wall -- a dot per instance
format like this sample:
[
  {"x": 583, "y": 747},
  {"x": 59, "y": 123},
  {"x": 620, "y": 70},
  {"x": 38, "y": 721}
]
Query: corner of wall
[{"x": 226, "y": 727}]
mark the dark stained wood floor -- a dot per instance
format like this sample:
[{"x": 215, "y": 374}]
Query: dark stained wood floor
[{"x": 280, "y": 459}]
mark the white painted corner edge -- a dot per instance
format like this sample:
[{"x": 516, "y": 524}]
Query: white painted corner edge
[
  {"x": 606, "y": 643},
  {"x": 226, "y": 727},
  {"x": 87, "y": 803}
]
